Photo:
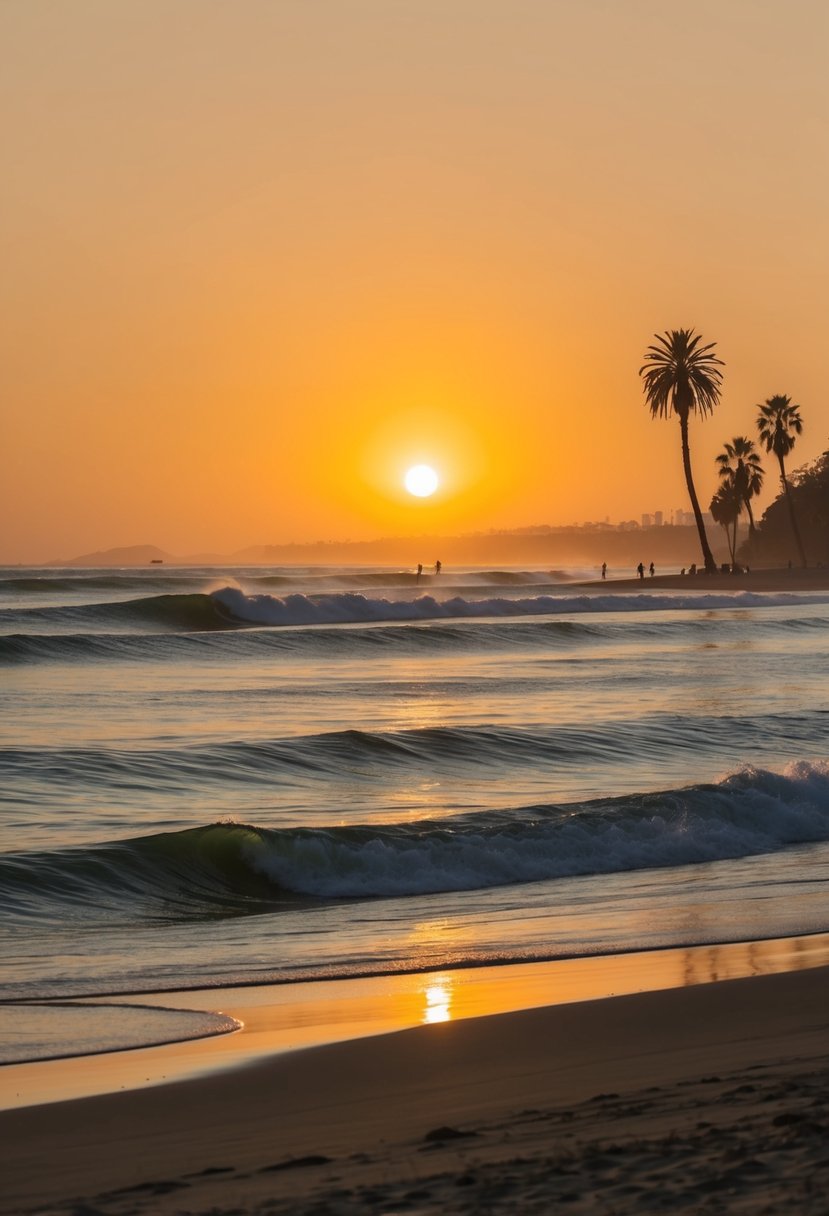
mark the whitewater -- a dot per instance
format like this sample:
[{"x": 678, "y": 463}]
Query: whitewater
[{"x": 233, "y": 776}]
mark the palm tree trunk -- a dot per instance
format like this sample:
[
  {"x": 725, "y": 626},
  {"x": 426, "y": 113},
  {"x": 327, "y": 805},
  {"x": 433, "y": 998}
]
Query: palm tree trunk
[
  {"x": 792, "y": 515},
  {"x": 707, "y": 556},
  {"x": 751, "y": 539}
]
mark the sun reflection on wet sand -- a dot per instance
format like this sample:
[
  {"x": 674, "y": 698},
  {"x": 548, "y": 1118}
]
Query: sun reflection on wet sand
[
  {"x": 285, "y": 1017},
  {"x": 438, "y": 997}
]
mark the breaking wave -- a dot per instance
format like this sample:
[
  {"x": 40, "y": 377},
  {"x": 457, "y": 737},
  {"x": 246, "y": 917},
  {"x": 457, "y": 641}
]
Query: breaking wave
[
  {"x": 229, "y": 869},
  {"x": 185, "y": 627},
  {"x": 360, "y": 609}
]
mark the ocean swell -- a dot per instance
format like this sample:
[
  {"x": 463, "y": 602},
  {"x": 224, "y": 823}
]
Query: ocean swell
[
  {"x": 373, "y": 755},
  {"x": 192, "y": 611}
]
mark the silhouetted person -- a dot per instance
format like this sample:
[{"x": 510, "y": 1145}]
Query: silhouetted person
[
  {"x": 640, "y": 570},
  {"x": 437, "y": 567},
  {"x": 604, "y": 569},
  {"x": 651, "y": 569},
  {"x": 419, "y": 570}
]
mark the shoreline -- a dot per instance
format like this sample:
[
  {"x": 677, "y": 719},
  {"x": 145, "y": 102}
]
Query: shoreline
[
  {"x": 526, "y": 1100},
  {"x": 760, "y": 580},
  {"x": 280, "y": 1018}
]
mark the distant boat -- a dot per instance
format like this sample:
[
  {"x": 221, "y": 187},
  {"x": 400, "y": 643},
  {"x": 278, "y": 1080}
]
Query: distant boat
[{"x": 157, "y": 561}]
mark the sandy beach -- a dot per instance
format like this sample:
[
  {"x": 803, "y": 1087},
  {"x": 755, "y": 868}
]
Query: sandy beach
[{"x": 709, "y": 1098}]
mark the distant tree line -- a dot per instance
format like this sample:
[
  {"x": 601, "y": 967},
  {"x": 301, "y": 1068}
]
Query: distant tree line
[
  {"x": 682, "y": 376},
  {"x": 808, "y": 496}
]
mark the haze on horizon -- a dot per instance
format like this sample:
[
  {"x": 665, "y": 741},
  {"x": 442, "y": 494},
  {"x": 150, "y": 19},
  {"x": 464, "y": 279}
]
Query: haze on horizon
[{"x": 261, "y": 258}]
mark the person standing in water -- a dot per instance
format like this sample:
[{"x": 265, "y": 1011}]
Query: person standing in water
[
  {"x": 640, "y": 570},
  {"x": 604, "y": 569},
  {"x": 438, "y": 567},
  {"x": 652, "y": 569},
  {"x": 419, "y": 571}
]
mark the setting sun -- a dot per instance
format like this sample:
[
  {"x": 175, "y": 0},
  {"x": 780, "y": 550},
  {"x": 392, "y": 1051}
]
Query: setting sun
[{"x": 421, "y": 480}]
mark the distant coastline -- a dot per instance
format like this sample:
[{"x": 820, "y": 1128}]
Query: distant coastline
[{"x": 566, "y": 546}]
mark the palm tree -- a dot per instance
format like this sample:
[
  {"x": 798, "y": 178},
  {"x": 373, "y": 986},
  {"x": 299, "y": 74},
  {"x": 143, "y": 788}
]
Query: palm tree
[
  {"x": 779, "y": 423},
  {"x": 746, "y": 470},
  {"x": 680, "y": 376},
  {"x": 726, "y": 506}
]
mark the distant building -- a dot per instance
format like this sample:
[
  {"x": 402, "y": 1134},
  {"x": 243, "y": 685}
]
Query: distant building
[
  {"x": 657, "y": 519},
  {"x": 683, "y": 518},
  {"x": 647, "y": 521},
  {"x": 687, "y": 519}
]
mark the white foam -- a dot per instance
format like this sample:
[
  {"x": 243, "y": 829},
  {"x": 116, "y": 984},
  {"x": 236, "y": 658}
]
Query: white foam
[
  {"x": 750, "y": 812},
  {"x": 353, "y": 608}
]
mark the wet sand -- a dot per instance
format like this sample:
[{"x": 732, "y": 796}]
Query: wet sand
[
  {"x": 712, "y": 1098},
  {"x": 776, "y": 580}
]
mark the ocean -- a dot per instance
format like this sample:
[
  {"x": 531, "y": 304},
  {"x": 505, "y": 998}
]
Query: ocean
[{"x": 215, "y": 777}]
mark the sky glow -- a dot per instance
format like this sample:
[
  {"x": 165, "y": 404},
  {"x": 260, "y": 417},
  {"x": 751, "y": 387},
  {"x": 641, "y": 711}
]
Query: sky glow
[{"x": 243, "y": 245}]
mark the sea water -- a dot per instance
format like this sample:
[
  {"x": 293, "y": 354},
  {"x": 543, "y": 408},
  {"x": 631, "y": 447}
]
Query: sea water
[{"x": 232, "y": 776}]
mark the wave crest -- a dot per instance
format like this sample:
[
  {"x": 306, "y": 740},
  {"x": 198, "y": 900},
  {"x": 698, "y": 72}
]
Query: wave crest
[
  {"x": 353, "y": 608},
  {"x": 228, "y": 869},
  {"x": 750, "y": 812}
]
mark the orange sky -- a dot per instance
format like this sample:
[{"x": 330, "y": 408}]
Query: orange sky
[{"x": 259, "y": 257}]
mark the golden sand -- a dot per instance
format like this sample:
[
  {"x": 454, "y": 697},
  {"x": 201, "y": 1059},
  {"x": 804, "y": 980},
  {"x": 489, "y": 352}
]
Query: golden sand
[{"x": 703, "y": 1095}]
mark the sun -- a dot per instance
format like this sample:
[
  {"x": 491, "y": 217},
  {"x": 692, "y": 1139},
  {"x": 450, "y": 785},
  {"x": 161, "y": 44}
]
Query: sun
[{"x": 421, "y": 480}]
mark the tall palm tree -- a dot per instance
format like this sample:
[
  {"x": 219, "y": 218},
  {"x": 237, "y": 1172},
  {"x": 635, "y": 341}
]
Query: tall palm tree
[
  {"x": 779, "y": 424},
  {"x": 681, "y": 376},
  {"x": 726, "y": 506},
  {"x": 739, "y": 462}
]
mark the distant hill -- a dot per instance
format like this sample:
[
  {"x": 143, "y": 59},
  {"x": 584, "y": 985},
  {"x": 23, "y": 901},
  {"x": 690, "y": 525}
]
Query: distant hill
[{"x": 129, "y": 555}]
